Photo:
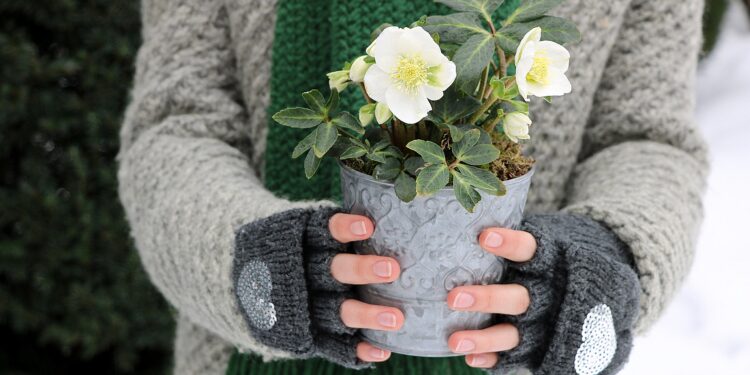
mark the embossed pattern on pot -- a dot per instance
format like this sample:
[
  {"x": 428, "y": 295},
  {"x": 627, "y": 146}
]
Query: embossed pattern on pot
[{"x": 434, "y": 240}]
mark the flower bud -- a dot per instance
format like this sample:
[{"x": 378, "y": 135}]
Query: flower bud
[
  {"x": 516, "y": 126},
  {"x": 366, "y": 114},
  {"x": 382, "y": 113},
  {"x": 338, "y": 80},
  {"x": 358, "y": 69}
]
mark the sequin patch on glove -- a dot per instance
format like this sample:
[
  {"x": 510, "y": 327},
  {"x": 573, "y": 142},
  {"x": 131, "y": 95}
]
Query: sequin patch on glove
[
  {"x": 599, "y": 341},
  {"x": 254, "y": 289}
]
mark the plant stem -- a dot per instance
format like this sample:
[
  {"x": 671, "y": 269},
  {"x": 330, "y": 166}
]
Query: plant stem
[
  {"x": 423, "y": 131},
  {"x": 398, "y": 134},
  {"x": 485, "y": 106},
  {"x": 490, "y": 123},
  {"x": 483, "y": 82},
  {"x": 364, "y": 93},
  {"x": 503, "y": 63}
]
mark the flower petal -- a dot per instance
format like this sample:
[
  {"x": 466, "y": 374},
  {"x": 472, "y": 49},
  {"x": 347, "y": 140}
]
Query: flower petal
[
  {"x": 385, "y": 48},
  {"x": 409, "y": 107},
  {"x": 417, "y": 41},
  {"x": 533, "y": 35},
  {"x": 523, "y": 67},
  {"x": 558, "y": 85},
  {"x": 443, "y": 75},
  {"x": 432, "y": 93},
  {"x": 559, "y": 57},
  {"x": 376, "y": 83}
]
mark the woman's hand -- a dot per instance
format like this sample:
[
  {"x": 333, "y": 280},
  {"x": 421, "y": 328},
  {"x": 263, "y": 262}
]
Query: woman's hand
[
  {"x": 356, "y": 269},
  {"x": 508, "y": 299}
]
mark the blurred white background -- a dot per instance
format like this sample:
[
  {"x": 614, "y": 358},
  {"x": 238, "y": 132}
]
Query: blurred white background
[{"x": 706, "y": 330}]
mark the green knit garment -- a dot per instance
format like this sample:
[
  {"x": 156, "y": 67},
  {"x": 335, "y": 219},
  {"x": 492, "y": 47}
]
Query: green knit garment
[{"x": 312, "y": 38}]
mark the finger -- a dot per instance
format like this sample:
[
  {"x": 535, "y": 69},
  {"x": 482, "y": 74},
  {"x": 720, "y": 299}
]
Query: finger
[
  {"x": 483, "y": 360},
  {"x": 515, "y": 245},
  {"x": 493, "y": 339},
  {"x": 347, "y": 228},
  {"x": 364, "y": 269},
  {"x": 357, "y": 314},
  {"x": 369, "y": 353},
  {"x": 508, "y": 299}
]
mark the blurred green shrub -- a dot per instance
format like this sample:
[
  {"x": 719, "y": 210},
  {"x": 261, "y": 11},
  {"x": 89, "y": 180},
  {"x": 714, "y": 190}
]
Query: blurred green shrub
[{"x": 73, "y": 295}]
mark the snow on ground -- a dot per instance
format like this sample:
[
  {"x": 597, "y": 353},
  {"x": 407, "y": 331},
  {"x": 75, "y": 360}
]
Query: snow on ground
[{"x": 706, "y": 330}]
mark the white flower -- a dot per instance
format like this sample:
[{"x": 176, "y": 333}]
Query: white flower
[
  {"x": 541, "y": 66},
  {"x": 382, "y": 113},
  {"x": 409, "y": 70},
  {"x": 516, "y": 126},
  {"x": 338, "y": 80},
  {"x": 358, "y": 69}
]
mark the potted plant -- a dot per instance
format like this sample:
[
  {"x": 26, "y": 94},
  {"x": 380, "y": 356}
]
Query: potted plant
[{"x": 435, "y": 154}]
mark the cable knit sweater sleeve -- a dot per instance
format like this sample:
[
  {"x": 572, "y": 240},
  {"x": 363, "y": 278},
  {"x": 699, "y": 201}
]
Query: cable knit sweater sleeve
[
  {"x": 214, "y": 241},
  {"x": 643, "y": 165}
]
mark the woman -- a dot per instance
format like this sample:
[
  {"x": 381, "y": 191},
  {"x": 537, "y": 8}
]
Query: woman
[{"x": 250, "y": 257}]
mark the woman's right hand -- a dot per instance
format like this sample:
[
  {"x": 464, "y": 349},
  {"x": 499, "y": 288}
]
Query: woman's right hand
[{"x": 356, "y": 269}]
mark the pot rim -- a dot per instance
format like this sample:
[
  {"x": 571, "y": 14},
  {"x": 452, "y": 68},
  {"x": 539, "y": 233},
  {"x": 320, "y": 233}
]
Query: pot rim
[{"x": 508, "y": 183}]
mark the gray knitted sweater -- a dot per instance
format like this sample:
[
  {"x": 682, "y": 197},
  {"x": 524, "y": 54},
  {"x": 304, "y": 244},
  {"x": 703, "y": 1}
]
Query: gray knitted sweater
[{"x": 622, "y": 149}]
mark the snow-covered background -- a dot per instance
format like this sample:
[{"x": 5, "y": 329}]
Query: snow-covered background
[{"x": 706, "y": 330}]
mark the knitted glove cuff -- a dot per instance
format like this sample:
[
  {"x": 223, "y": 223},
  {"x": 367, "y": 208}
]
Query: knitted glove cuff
[
  {"x": 284, "y": 287},
  {"x": 584, "y": 299}
]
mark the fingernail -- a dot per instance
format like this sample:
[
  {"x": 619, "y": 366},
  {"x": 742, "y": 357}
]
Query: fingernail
[
  {"x": 387, "y": 319},
  {"x": 478, "y": 360},
  {"x": 358, "y": 228},
  {"x": 493, "y": 240},
  {"x": 463, "y": 300},
  {"x": 465, "y": 345},
  {"x": 377, "y": 353},
  {"x": 382, "y": 268}
]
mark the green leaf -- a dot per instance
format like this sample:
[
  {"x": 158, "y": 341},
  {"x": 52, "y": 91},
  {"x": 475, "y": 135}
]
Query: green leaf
[
  {"x": 352, "y": 152},
  {"x": 556, "y": 29},
  {"x": 333, "y": 101},
  {"x": 388, "y": 170},
  {"x": 471, "y": 58},
  {"x": 466, "y": 195},
  {"x": 345, "y": 120},
  {"x": 507, "y": 40},
  {"x": 452, "y": 106},
  {"x": 413, "y": 163},
  {"x": 498, "y": 87},
  {"x": 376, "y": 157},
  {"x": 429, "y": 151},
  {"x": 455, "y": 28},
  {"x": 391, "y": 151},
  {"x": 520, "y": 106},
  {"x": 312, "y": 163},
  {"x": 531, "y": 9},
  {"x": 315, "y": 101},
  {"x": 483, "y": 7},
  {"x": 325, "y": 137},
  {"x": 479, "y": 155},
  {"x": 469, "y": 140},
  {"x": 406, "y": 187},
  {"x": 482, "y": 179},
  {"x": 433, "y": 178},
  {"x": 297, "y": 117},
  {"x": 511, "y": 92},
  {"x": 304, "y": 145},
  {"x": 456, "y": 133}
]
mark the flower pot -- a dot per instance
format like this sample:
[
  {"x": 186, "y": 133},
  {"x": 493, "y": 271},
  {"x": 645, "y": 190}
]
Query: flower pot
[{"x": 434, "y": 240}]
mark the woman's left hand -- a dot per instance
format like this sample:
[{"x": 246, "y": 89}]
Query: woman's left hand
[
  {"x": 568, "y": 304},
  {"x": 481, "y": 346}
]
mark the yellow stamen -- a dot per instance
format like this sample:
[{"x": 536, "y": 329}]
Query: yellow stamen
[
  {"x": 410, "y": 73},
  {"x": 539, "y": 72}
]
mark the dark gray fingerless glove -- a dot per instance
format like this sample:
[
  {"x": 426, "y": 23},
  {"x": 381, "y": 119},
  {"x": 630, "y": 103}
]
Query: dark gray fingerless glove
[
  {"x": 584, "y": 299},
  {"x": 284, "y": 286}
]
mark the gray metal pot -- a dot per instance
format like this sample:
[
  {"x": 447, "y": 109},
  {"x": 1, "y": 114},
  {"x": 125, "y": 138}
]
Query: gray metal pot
[{"x": 434, "y": 240}]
